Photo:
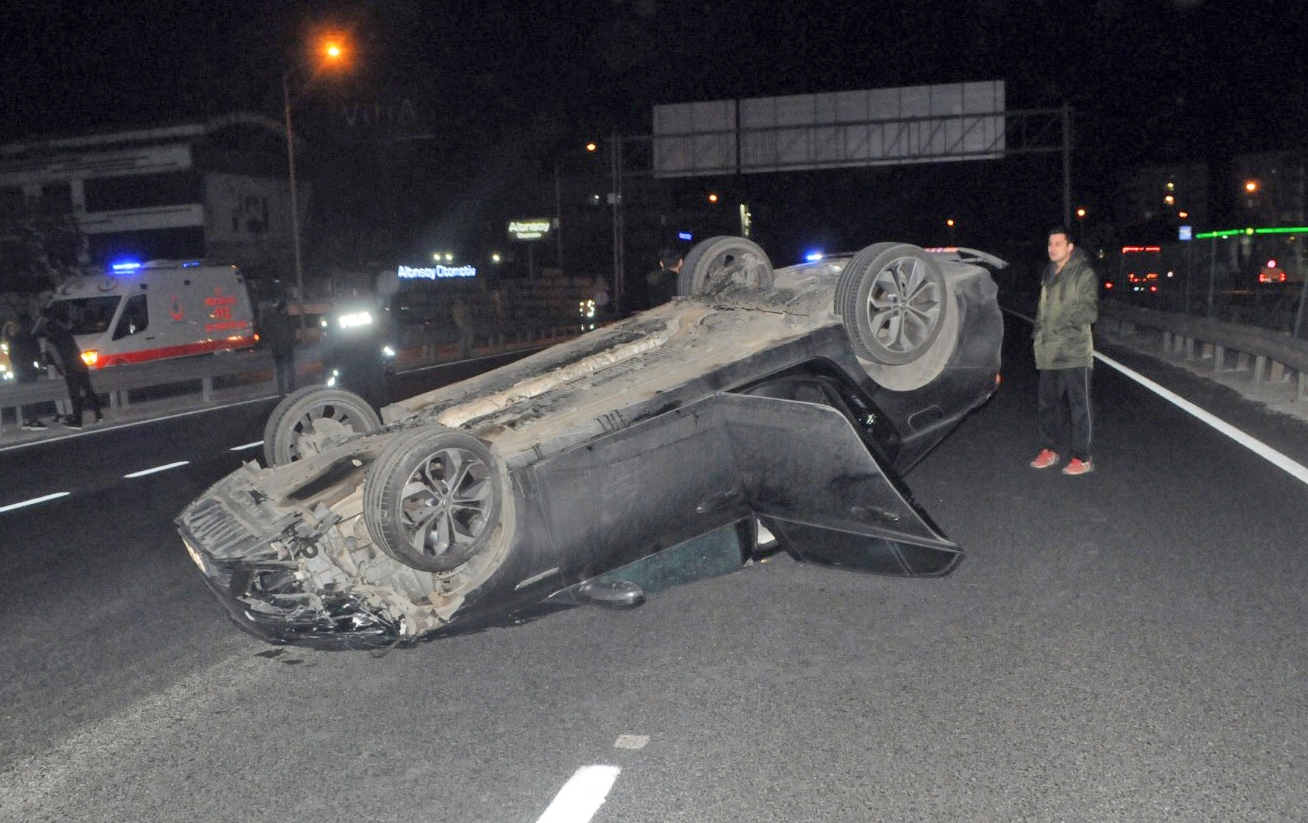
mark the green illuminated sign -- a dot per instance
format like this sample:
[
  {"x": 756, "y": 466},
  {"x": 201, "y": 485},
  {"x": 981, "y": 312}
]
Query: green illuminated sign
[{"x": 1208, "y": 235}]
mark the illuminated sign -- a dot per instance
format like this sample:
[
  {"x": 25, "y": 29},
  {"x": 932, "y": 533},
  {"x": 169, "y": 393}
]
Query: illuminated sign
[
  {"x": 1185, "y": 232},
  {"x": 529, "y": 229},
  {"x": 435, "y": 272}
]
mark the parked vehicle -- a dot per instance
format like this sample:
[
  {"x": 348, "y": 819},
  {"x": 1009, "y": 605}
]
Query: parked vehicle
[
  {"x": 637, "y": 456},
  {"x": 156, "y": 310}
]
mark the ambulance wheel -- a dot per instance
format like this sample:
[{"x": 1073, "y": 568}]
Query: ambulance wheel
[{"x": 313, "y": 419}]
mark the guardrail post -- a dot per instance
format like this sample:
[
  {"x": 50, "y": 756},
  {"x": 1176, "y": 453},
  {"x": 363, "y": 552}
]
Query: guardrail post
[
  {"x": 1219, "y": 355},
  {"x": 1302, "y": 392},
  {"x": 206, "y": 388},
  {"x": 1276, "y": 372},
  {"x": 1260, "y": 362},
  {"x": 1167, "y": 341}
]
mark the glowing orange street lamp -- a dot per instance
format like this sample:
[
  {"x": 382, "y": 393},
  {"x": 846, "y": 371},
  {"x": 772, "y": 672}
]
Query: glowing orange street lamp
[
  {"x": 333, "y": 50},
  {"x": 1251, "y": 186}
]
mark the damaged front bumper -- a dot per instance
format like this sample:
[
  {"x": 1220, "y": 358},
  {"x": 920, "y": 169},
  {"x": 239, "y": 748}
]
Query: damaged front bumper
[{"x": 252, "y": 557}]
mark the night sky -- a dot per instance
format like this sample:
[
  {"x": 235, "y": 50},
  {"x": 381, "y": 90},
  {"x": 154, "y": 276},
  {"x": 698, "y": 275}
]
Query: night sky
[{"x": 1150, "y": 80}]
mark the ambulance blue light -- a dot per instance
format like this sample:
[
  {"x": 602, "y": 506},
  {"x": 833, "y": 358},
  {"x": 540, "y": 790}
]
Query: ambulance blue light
[
  {"x": 685, "y": 235},
  {"x": 814, "y": 256},
  {"x": 125, "y": 265}
]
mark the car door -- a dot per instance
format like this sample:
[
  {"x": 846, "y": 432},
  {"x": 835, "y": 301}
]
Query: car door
[
  {"x": 640, "y": 490},
  {"x": 816, "y": 484}
]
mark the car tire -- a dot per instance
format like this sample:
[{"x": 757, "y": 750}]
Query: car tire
[
  {"x": 432, "y": 499},
  {"x": 894, "y": 301},
  {"x": 309, "y": 420},
  {"x": 717, "y": 261}
]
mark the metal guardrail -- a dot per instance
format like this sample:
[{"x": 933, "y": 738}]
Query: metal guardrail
[
  {"x": 1268, "y": 356},
  {"x": 202, "y": 371},
  {"x": 119, "y": 381}
]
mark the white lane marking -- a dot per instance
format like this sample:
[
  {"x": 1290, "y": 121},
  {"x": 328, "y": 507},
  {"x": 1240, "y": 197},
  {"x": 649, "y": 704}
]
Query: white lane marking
[
  {"x": 1295, "y": 469},
  {"x": 33, "y": 501},
  {"x": 1258, "y": 447},
  {"x": 631, "y": 741},
  {"x": 256, "y": 444},
  {"x": 581, "y": 796},
  {"x": 156, "y": 469}
]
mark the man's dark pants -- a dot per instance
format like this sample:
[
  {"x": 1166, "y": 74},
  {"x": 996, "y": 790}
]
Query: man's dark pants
[
  {"x": 284, "y": 369},
  {"x": 1066, "y": 389}
]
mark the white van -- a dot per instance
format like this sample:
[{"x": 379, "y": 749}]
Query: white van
[{"x": 156, "y": 310}]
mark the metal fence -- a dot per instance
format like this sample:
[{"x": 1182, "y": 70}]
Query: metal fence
[{"x": 1251, "y": 279}]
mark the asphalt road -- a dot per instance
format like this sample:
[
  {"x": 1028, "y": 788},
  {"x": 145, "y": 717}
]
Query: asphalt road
[{"x": 1124, "y": 646}]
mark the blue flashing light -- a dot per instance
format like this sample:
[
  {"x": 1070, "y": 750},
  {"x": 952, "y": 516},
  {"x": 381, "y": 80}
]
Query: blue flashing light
[
  {"x": 814, "y": 256},
  {"x": 125, "y": 265},
  {"x": 190, "y": 264},
  {"x": 685, "y": 235}
]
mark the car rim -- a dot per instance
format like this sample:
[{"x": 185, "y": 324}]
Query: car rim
[
  {"x": 446, "y": 501},
  {"x": 323, "y": 426},
  {"x": 904, "y": 306}
]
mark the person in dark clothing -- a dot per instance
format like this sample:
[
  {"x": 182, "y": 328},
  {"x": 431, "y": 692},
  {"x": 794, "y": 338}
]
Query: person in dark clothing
[
  {"x": 278, "y": 332},
  {"x": 25, "y": 358},
  {"x": 76, "y": 375},
  {"x": 661, "y": 284},
  {"x": 1064, "y": 353},
  {"x": 357, "y": 348},
  {"x": 461, "y": 315}
]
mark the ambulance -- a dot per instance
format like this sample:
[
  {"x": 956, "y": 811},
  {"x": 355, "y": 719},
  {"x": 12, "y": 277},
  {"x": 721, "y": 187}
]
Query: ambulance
[{"x": 139, "y": 312}]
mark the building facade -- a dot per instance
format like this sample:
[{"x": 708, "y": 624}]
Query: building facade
[{"x": 217, "y": 189}]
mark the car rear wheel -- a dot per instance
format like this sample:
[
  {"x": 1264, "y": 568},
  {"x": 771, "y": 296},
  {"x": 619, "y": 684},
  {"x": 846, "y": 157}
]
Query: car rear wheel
[
  {"x": 310, "y": 420},
  {"x": 432, "y": 499},
  {"x": 717, "y": 261},
  {"x": 894, "y": 301}
]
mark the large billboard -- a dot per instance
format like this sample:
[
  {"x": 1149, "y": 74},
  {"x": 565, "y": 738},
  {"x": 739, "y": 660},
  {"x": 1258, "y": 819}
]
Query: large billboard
[{"x": 869, "y": 127}]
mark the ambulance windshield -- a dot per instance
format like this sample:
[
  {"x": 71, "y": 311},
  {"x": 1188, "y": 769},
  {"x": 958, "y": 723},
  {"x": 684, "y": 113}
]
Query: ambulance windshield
[{"x": 86, "y": 315}]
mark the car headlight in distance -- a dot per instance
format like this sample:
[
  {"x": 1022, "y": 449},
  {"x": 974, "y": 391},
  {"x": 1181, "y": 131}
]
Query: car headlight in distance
[{"x": 354, "y": 320}]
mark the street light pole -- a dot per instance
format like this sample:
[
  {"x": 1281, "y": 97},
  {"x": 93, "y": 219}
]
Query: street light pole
[
  {"x": 295, "y": 205},
  {"x": 558, "y": 216},
  {"x": 615, "y": 158}
]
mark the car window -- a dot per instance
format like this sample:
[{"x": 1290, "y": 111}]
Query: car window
[
  {"x": 816, "y": 386},
  {"x": 135, "y": 319}
]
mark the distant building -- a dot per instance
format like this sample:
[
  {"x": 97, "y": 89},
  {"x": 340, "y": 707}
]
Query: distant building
[
  {"x": 1151, "y": 202},
  {"x": 1272, "y": 188},
  {"x": 217, "y": 189}
]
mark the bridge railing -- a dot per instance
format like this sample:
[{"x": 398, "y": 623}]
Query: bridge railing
[{"x": 1267, "y": 356}]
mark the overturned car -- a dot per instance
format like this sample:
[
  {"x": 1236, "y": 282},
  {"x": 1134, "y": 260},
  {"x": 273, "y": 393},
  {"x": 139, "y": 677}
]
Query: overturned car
[{"x": 634, "y": 457}]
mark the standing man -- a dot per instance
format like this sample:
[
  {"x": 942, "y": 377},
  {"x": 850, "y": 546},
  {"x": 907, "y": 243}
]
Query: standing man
[
  {"x": 661, "y": 284},
  {"x": 279, "y": 333},
  {"x": 25, "y": 357},
  {"x": 76, "y": 375},
  {"x": 1064, "y": 354}
]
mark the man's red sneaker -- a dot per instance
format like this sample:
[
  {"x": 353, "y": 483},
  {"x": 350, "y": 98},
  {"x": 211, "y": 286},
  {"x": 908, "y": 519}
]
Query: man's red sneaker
[
  {"x": 1078, "y": 466},
  {"x": 1044, "y": 459}
]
